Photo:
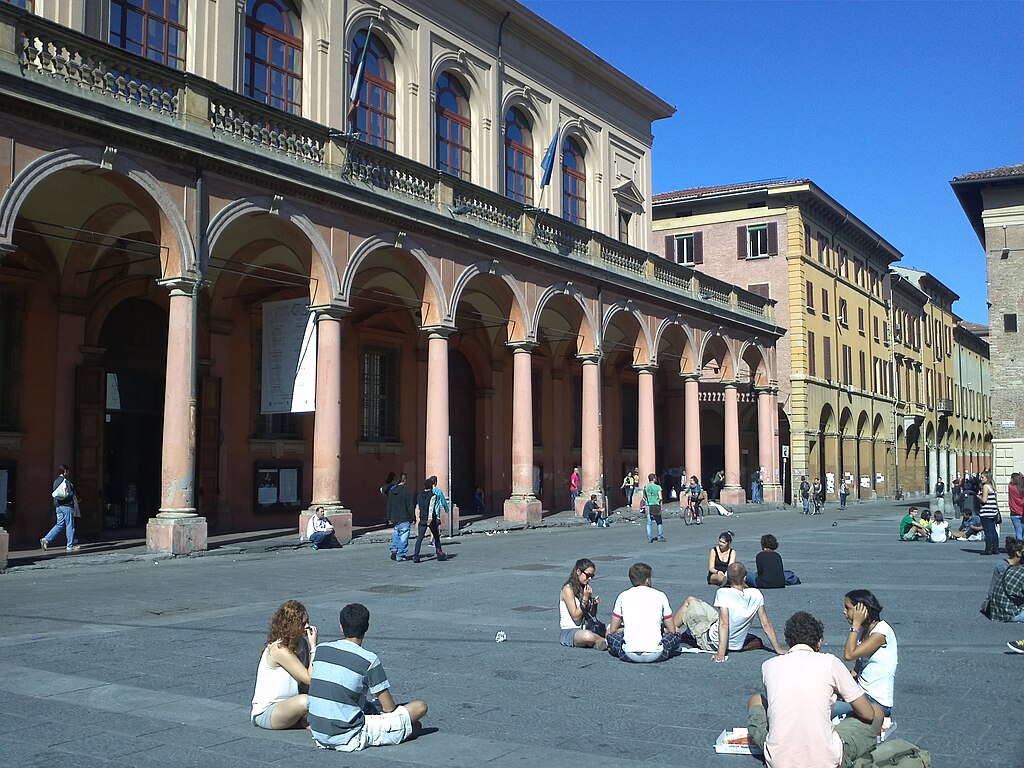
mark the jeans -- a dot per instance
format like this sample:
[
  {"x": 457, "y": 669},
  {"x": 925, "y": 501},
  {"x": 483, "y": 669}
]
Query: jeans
[
  {"x": 629, "y": 496},
  {"x": 1018, "y": 525},
  {"x": 573, "y": 495},
  {"x": 654, "y": 517},
  {"x": 755, "y": 494},
  {"x": 807, "y": 505},
  {"x": 842, "y": 708},
  {"x": 435, "y": 532},
  {"x": 988, "y": 524},
  {"x": 321, "y": 539},
  {"x": 400, "y": 539},
  {"x": 842, "y": 500},
  {"x": 65, "y": 522},
  {"x": 671, "y": 642}
]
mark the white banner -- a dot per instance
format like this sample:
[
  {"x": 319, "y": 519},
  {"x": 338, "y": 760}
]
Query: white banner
[{"x": 289, "y": 357}]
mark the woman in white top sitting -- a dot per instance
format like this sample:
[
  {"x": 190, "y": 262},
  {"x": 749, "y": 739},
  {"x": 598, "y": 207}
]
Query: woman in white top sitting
[
  {"x": 939, "y": 530},
  {"x": 276, "y": 702},
  {"x": 871, "y": 644},
  {"x": 578, "y": 601}
]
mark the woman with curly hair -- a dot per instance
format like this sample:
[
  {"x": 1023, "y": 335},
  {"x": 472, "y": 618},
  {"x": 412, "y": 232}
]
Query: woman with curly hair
[
  {"x": 276, "y": 702},
  {"x": 578, "y": 601}
]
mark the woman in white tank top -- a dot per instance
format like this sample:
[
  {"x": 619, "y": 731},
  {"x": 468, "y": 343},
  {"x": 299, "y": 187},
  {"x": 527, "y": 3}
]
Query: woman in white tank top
[
  {"x": 276, "y": 701},
  {"x": 871, "y": 644},
  {"x": 576, "y": 601}
]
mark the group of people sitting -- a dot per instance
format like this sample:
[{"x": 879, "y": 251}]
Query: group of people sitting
[
  {"x": 918, "y": 525},
  {"x": 805, "y": 689}
]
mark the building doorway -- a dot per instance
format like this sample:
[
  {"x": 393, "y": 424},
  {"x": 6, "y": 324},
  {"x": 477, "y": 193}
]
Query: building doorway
[{"x": 462, "y": 419}]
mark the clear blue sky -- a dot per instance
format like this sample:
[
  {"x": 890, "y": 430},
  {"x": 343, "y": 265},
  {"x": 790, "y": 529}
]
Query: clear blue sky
[{"x": 879, "y": 103}]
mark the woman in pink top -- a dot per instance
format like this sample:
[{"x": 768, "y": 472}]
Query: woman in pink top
[{"x": 1016, "y": 496}]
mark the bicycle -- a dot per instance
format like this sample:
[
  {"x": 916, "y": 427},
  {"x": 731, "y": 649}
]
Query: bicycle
[
  {"x": 694, "y": 514},
  {"x": 819, "y": 505}
]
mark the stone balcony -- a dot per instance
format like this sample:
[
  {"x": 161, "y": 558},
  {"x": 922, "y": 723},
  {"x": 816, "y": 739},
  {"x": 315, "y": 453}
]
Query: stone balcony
[{"x": 141, "y": 96}]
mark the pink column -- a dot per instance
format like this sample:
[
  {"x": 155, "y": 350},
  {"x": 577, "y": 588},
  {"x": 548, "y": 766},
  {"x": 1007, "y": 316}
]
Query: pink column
[
  {"x": 591, "y": 454},
  {"x": 691, "y": 408},
  {"x": 436, "y": 457},
  {"x": 522, "y": 506},
  {"x": 767, "y": 444},
  {"x": 645, "y": 422},
  {"x": 177, "y": 528},
  {"x": 733, "y": 492},
  {"x": 327, "y": 425}
]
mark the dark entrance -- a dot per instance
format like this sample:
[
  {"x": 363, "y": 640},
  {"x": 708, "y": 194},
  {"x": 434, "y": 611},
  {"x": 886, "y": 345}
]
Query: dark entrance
[
  {"x": 134, "y": 339},
  {"x": 462, "y": 419}
]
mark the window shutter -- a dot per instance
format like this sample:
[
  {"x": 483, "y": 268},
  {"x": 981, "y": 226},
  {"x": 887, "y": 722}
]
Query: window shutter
[
  {"x": 698, "y": 247},
  {"x": 670, "y": 247},
  {"x": 741, "y": 242},
  {"x": 826, "y": 354},
  {"x": 810, "y": 354},
  {"x": 773, "y": 238},
  {"x": 807, "y": 240}
]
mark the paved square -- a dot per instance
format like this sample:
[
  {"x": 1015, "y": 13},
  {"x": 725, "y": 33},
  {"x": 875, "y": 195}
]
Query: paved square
[{"x": 107, "y": 662}]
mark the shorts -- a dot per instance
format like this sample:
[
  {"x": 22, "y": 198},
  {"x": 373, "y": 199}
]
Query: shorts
[
  {"x": 567, "y": 637},
  {"x": 700, "y": 617},
  {"x": 263, "y": 719},
  {"x": 382, "y": 730}
]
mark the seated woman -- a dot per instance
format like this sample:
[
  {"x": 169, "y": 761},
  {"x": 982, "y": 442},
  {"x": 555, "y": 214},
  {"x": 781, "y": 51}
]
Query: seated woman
[
  {"x": 939, "y": 530},
  {"x": 1006, "y": 593},
  {"x": 871, "y": 644},
  {"x": 276, "y": 702},
  {"x": 770, "y": 572},
  {"x": 720, "y": 558},
  {"x": 578, "y": 601}
]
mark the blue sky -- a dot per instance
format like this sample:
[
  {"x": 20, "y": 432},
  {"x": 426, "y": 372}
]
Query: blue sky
[{"x": 879, "y": 103}]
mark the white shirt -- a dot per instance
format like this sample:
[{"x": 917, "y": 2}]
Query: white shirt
[
  {"x": 878, "y": 671},
  {"x": 642, "y": 610},
  {"x": 938, "y": 531},
  {"x": 743, "y": 606},
  {"x": 565, "y": 620}
]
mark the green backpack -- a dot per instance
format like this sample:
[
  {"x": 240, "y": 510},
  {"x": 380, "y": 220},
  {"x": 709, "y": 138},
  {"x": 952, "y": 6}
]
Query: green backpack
[{"x": 895, "y": 753}]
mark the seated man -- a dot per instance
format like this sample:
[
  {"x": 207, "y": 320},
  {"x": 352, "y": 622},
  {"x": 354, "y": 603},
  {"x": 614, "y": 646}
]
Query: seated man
[
  {"x": 770, "y": 573},
  {"x": 723, "y": 628},
  {"x": 970, "y": 527},
  {"x": 343, "y": 674},
  {"x": 320, "y": 532},
  {"x": 595, "y": 513},
  {"x": 911, "y": 527},
  {"x": 642, "y": 627},
  {"x": 792, "y": 723}
]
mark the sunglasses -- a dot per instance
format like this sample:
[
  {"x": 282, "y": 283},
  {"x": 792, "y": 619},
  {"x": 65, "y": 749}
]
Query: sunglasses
[{"x": 588, "y": 574}]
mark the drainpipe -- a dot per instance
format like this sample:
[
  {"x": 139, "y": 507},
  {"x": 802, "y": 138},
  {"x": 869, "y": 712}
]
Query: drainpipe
[{"x": 193, "y": 392}]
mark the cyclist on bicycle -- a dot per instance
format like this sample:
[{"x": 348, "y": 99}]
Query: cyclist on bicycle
[{"x": 694, "y": 494}]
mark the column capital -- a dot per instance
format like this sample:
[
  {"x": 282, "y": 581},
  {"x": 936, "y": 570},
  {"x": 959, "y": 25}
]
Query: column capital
[
  {"x": 590, "y": 358},
  {"x": 330, "y": 311},
  {"x": 769, "y": 390},
  {"x": 178, "y": 286},
  {"x": 690, "y": 376},
  {"x": 522, "y": 346},
  {"x": 439, "y": 331},
  {"x": 648, "y": 368},
  {"x": 731, "y": 384}
]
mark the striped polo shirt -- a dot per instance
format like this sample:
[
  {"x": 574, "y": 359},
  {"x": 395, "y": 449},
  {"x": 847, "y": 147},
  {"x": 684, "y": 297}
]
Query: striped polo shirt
[{"x": 343, "y": 673}]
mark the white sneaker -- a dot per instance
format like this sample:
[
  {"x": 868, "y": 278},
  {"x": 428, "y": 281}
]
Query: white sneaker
[{"x": 888, "y": 729}]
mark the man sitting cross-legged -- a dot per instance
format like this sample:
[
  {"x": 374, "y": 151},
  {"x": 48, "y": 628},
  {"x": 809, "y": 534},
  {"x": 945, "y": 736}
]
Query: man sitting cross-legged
[
  {"x": 724, "y": 626},
  {"x": 343, "y": 674},
  {"x": 642, "y": 627},
  {"x": 792, "y": 722}
]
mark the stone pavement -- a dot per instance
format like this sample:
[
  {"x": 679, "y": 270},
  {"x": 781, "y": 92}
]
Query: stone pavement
[{"x": 115, "y": 660}]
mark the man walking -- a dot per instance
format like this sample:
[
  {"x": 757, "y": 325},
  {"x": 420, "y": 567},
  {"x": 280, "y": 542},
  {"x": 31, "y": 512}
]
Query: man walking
[
  {"x": 805, "y": 493},
  {"x": 792, "y": 722},
  {"x": 400, "y": 512},
  {"x": 64, "y": 502},
  {"x": 652, "y": 507},
  {"x": 344, "y": 672},
  {"x": 755, "y": 487}
]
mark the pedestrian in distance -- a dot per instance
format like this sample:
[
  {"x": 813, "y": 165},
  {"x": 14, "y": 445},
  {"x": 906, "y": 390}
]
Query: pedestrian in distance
[
  {"x": 628, "y": 487},
  {"x": 805, "y": 494},
  {"x": 400, "y": 513},
  {"x": 276, "y": 701},
  {"x": 63, "y": 496},
  {"x": 652, "y": 509},
  {"x": 818, "y": 497},
  {"x": 756, "y": 487},
  {"x": 844, "y": 491},
  {"x": 989, "y": 513},
  {"x": 385, "y": 490},
  {"x": 429, "y": 504},
  {"x": 574, "y": 488},
  {"x": 1015, "y": 501}
]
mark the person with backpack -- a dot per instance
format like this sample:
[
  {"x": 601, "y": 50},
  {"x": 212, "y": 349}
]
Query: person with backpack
[
  {"x": 805, "y": 494},
  {"x": 64, "y": 503}
]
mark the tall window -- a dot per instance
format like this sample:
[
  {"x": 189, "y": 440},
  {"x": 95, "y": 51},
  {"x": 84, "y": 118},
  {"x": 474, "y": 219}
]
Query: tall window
[
  {"x": 380, "y": 394},
  {"x": 11, "y": 324},
  {"x": 375, "y": 112},
  {"x": 28, "y": 5},
  {"x": 273, "y": 54},
  {"x": 630, "y": 415},
  {"x": 518, "y": 157},
  {"x": 574, "y": 183},
  {"x": 453, "y": 124},
  {"x": 151, "y": 28},
  {"x": 624, "y": 218}
]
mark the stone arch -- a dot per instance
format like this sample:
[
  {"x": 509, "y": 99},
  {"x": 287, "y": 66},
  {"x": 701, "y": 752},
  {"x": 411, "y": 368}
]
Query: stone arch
[
  {"x": 433, "y": 305},
  {"x": 519, "y": 326},
  {"x": 714, "y": 346},
  {"x": 589, "y": 337},
  {"x": 523, "y": 100},
  {"x": 644, "y": 350},
  {"x": 668, "y": 328},
  {"x": 85, "y": 157},
  {"x": 756, "y": 358},
  {"x": 827, "y": 419},
  {"x": 262, "y": 204},
  {"x": 459, "y": 65}
]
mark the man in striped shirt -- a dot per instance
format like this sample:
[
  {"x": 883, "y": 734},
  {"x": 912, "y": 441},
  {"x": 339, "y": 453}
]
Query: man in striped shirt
[{"x": 343, "y": 674}]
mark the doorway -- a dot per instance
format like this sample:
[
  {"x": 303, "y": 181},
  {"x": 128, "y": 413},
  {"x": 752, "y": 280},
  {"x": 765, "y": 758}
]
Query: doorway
[{"x": 462, "y": 410}]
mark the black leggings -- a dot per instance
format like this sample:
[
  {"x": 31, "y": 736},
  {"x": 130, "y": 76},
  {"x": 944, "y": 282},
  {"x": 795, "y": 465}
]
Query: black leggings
[{"x": 435, "y": 532}]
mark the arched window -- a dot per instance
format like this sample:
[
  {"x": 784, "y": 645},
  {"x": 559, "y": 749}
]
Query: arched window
[
  {"x": 151, "y": 28},
  {"x": 273, "y": 54},
  {"x": 375, "y": 112},
  {"x": 452, "y": 126},
  {"x": 518, "y": 157},
  {"x": 574, "y": 183}
]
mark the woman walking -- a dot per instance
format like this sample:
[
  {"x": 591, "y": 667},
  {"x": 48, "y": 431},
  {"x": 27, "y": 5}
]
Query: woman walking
[{"x": 1015, "y": 500}]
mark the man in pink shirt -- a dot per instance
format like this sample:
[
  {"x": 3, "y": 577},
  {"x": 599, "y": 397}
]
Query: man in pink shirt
[
  {"x": 793, "y": 724},
  {"x": 574, "y": 487}
]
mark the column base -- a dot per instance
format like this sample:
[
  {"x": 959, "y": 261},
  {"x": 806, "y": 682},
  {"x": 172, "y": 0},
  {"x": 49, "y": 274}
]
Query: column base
[
  {"x": 5, "y": 548},
  {"x": 341, "y": 519},
  {"x": 522, "y": 509},
  {"x": 772, "y": 493},
  {"x": 176, "y": 533},
  {"x": 734, "y": 494}
]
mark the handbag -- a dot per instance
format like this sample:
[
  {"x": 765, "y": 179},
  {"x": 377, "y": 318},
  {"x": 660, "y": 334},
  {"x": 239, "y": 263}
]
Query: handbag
[
  {"x": 62, "y": 492},
  {"x": 595, "y": 625}
]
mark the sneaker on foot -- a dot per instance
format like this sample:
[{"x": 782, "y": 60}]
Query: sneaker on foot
[
  {"x": 661, "y": 538},
  {"x": 44, "y": 544},
  {"x": 394, "y": 556},
  {"x": 1017, "y": 646},
  {"x": 74, "y": 548}
]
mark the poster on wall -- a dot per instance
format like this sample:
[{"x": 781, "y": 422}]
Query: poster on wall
[{"x": 289, "y": 357}]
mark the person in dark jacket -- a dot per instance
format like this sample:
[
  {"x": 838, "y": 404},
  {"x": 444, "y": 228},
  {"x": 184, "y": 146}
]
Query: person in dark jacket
[{"x": 400, "y": 512}]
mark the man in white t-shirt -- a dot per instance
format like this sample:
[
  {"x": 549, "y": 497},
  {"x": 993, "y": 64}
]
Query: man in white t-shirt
[
  {"x": 724, "y": 626},
  {"x": 642, "y": 628}
]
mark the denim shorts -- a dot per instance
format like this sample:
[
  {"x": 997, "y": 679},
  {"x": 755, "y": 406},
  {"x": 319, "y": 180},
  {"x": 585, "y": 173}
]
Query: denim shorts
[
  {"x": 263, "y": 719},
  {"x": 567, "y": 637}
]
